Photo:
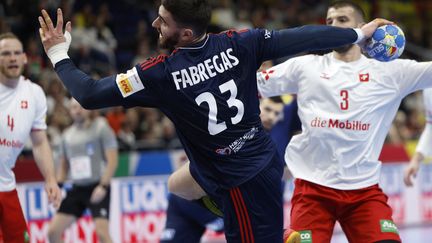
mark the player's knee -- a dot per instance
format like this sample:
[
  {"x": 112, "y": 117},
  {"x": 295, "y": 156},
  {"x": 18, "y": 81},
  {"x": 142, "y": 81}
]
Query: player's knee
[
  {"x": 54, "y": 235},
  {"x": 102, "y": 234},
  {"x": 172, "y": 184}
]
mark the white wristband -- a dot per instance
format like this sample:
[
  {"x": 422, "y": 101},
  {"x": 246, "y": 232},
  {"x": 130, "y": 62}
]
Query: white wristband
[
  {"x": 360, "y": 35},
  {"x": 59, "y": 52}
]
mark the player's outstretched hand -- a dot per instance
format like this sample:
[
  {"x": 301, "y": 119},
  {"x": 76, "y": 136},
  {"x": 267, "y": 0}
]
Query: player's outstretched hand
[
  {"x": 369, "y": 28},
  {"x": 49, "y": 34},
  {"x": 411, "y": 172},
  {"x": 54, "y": 194}
]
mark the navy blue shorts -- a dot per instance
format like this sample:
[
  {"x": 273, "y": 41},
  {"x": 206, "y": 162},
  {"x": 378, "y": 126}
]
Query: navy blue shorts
[
  {"x": 253, "y": 211},
  {"x": 187, "y": 221}
]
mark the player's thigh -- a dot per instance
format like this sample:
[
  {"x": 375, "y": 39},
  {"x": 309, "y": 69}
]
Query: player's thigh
[
  {"x": 182, "y": 184},
  {"x": 311, "y": 212},
  {"x": 370, "y": 220},
  {"x": 253, "y": 211},
  {"x": 13, "y": 224}
]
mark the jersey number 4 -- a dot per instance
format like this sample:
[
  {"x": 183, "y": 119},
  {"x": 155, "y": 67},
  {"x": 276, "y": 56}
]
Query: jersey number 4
[
  {"x": 10, "y": 122},
  {"x": 215, "y": 127}
]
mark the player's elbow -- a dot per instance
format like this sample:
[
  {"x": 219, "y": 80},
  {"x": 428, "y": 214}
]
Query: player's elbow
[{"x": 85, "y": 100}]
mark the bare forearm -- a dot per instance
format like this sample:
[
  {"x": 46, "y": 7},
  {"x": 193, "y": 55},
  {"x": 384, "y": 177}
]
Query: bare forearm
[
  {"x": 112, "y": 162},
  {"x": 417, "y": 158},
  {"x": 62, "y": 170},
  {"x": 43, "y": 157}
]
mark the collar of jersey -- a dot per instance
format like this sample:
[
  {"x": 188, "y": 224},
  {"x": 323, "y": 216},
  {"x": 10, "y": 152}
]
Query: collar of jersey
[
  {"x": 197, "y": 45},
  {"x": 3, "y": 87},
  {"x": 360, "y": 60}
]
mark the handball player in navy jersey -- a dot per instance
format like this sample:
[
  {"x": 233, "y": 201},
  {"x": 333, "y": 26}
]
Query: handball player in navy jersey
[{"x": 207, "y": 87}]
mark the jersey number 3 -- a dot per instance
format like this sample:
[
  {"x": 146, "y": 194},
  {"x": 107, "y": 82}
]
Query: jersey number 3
[
  {"x": 344, "y": 104},
  {"x": 215, "y": 127}
]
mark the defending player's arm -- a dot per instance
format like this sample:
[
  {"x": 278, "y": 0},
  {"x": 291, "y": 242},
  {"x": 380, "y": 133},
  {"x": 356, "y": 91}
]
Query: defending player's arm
[
  {"x": 43, "y": 157},
  {"x": 419, "y": 155},
  {"x": 424, "y": 144},
  {"x": 282, "y": 78}
]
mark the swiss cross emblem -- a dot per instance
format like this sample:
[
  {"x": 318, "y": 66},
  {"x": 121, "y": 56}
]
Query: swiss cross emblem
[
  {"x": 364, "y": 77},
  {"x": 24, "y": 104},
  {"x": 267, "y": 74}
]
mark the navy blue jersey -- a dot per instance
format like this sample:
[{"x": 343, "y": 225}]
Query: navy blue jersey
[
  {"x": 209, "y": 91},
  {"x": 212, "y": 99}
]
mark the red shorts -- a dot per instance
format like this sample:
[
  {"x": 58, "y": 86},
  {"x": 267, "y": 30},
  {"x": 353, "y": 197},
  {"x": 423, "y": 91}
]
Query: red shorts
[
  {"x": 363, "y": 214},
  {"x": 12, "y": 222}
]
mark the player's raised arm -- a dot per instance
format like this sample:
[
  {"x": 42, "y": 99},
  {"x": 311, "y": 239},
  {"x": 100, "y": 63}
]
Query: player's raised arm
[
  {"x": 90, "y": 93},
  {"x": 316, "y": 37}
]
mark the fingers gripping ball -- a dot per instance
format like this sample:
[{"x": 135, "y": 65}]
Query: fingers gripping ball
[{"x": 386, "y": 44}]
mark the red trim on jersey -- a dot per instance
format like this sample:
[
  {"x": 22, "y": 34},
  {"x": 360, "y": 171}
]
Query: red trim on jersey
[
  {"x": 231, "y": 32},
  {"x": 150, "y": 62}
]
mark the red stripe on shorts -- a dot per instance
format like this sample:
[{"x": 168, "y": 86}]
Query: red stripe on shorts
[
  {"x": 242, "y": 213},
  {"x": 239, "y": 216}
]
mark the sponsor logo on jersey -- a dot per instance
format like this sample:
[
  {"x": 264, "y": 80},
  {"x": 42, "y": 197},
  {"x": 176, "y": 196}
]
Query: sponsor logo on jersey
[
  {"x": 129, "y": 83},
  {"x": 125, "y": 85},
  {"x": 324, "y": 76},
  {"x": 224, "y": 151},
  {"x": 364, "y": 77},
  {"x": 11, "y": 143},
  {"x": 340, "y": 124},
  {"x": 267, "y": 34},
  {"x": 235, "y": 146},
  {"x": 388, "y": 226},
  {"x": 305, "y": 236}
]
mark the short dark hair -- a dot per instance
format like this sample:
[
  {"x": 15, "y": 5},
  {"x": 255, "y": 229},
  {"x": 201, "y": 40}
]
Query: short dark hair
[
  {"x": 353, "y": 5},
  {"x": 276, "y": 99},
  {"x": 194, "y": 14}
]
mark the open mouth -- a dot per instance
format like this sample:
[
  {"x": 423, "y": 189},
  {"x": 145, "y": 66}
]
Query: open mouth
[{"x": 13, "y": 67}]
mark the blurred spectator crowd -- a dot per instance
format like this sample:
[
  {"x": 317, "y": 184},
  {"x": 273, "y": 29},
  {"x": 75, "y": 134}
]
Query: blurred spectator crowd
[{"x": 112, "y": 36}]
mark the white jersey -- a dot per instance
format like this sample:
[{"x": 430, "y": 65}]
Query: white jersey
[
  {"x": 22, "y": 109},
  {"x": 425, "y": 142},
  {"x": 346, "y": 110}
]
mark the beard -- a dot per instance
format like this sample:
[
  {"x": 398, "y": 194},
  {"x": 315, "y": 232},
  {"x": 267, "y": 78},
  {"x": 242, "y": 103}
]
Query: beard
[
  {"x": 11, "y": 74},
  {"x": 169, "y": 43},
  {"x": 343, "y": 49}
]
